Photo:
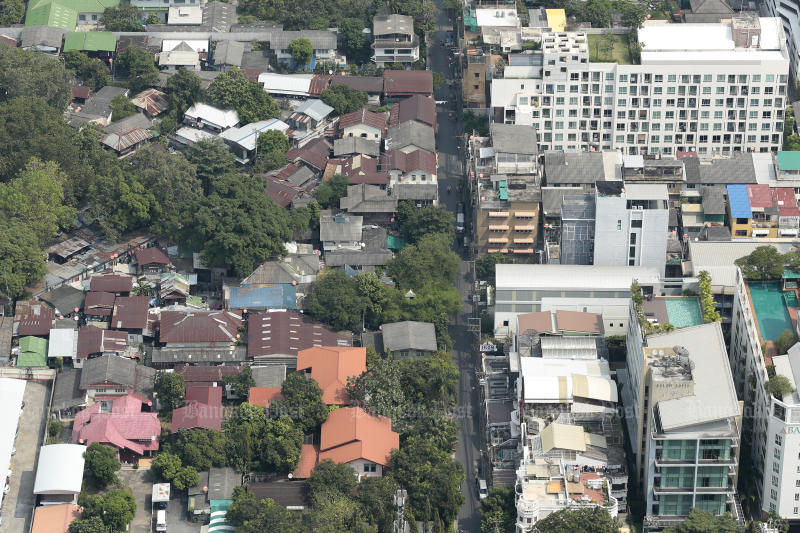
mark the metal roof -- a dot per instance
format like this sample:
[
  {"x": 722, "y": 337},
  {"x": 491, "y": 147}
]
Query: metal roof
[
  {"x": 391, "y": 24},
  {"x": 713, "y": 200},
  {"x": 563, "y": 436},
  {"x": 580, "y": 167},
  {"x": 411, "y": 134},
  {"x": 514, "y": 139},
  {"x": 224, "y": 118},
  {"x": 739, "y": 202},
  {"x": 91, "y": 41},
  {"x": 340, "y": 228},
  {"x": 573, "y": 277},
  {"x": 737, "y": 169},
  {"x": 409, "y": 335},
  {"x": 229, "y": 53},
  {"x": 60, "y": 469},
  {"x": 247, "y": 136},
  {"x": 314, "y": 108},
  {"x": 123, "y": 141},
  {"x": 63, "y": 343}
]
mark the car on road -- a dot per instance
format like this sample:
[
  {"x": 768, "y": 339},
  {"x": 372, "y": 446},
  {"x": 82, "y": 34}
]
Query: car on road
[
  {"x": 460, "y": 217},
  {"x": 483, "y": 491}
]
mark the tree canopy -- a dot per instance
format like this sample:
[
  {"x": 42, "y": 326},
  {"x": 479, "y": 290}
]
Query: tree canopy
[
  {"x": 587, "y": 520},
  {"x": 764, "y": 263},
  {"x": 138, "y": 66},
  {"x": 34, "y": 75},
  {"x": 116, "y": 508},
  {"x": 272, "y": 148},
  {"x": 183, "y": 89},
  {"x": 700, "y": 521},
  {"x": 232, "y": 90},
  {"x": 121, "y": 107},
  {"x": 122, "y": 18},
  {"x": 353, "y": 41},
  {"x": 301, "y": 51},
  {"x": 302, "y": 402},
  {"x": 335, "y": 300},
  {"x": 11, "y": 12},
  {"x": 415, "y": 223},
  {"x": 330, "y": 192},
  {"x": 92, "y": 72},
  {"x": 101, "y": 464},
  {"x": 498, "y": 510},
  {"x": 343, "y": 99},
  {"x": 484, "y": 265}
]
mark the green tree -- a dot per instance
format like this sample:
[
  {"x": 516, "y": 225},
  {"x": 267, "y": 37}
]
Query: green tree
[
  {"x": 764, "y": 263},
  {"x": 415, "y": 223},
  {"x": 232, "y": 90},
  {"x": 301, "y": 51},
  {"x": 476, "y": 123},
  {"x": 92, "y": 72},
  {"x": 344, "y": 100},
  {"x": 242, "y": 433},
  {"x": 429, "y": 260},
  {"x": 138, "y": 66},
  {"x": 34, "y": 74},
  {"x": 335, "y": 300},
  {"x": 211, "y": 159},
  {"x": 632, "y": 14},
  {"x": 484, "y": 265},
  {"x": 36, "y": 198},
  {"x": 11, "y": 12},
  {"x": 272, "y": 148},
  {"x": 119, "y": 508},
  {"x": 438, "y": 80},
  {"x": 379, "y": 389},
  {"x": 376, "y": 496},
  {"x": 186, "y": 478},
  {"x": 334, "y": 513},
  {"x": 779, "y": 386},
  {"x": 170, "y": 389},
  {"x": 122, "y": 18},
  {"x": 339, "y": 478},
  {"x": 353, "y": 40},
  {"x": 21, "y": 258},
  {"x": 710, "y": 313},
  {"x": 166, "y": 466},
  {"x": 700, "y": 521},
  {"x": 302, "y": 402},
  {"x": 101, "y": 464},
  {"x": 241, "y": 382},
  {"x": 498, "y": 510},
  {"x": 330, "y": 192},
  {"x": 259, "y": 516},
  {"x": 596, "y": 12},
  {"x": 183, "y": 89},
  {"x": 121, "y": 107},
  {"x": 281, "y": 445},
  {"x": 379, "y": 300},
  {"x": 200, "y": 448},
  {"x": 120, "y": 202},
  {"x": 93, "y": 524}
]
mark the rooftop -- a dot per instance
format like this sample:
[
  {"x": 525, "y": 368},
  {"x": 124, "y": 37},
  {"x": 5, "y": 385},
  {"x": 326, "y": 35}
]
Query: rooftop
[
  {"x": 288, "y": 333},
  {"x": 330, "y": 367},
  {"x": 514, "y": 139},
  {"x": 350, "y": 433},
  {"x": 199, "y": 326},
  {"x": 409, "y": 335},
  {"x": 572, "y": 277}
]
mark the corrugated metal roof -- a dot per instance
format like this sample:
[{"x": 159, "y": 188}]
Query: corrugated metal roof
[
  {"x": 563, "y": 437},
  {"x": 91, "y": 41},
  {"x": 739, "y": 202},
  {"x": 788, "y": 160},
  {"x": 123, "y": 141}
]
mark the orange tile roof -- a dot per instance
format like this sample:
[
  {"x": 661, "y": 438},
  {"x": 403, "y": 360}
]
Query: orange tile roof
[
  {"x": 309, "y": 455},
  {"x": 331, "y": 366},
  {"x": 350, "y": 433},
  {"x": 264, "y": 395},
  {"x": 55, "y": 518}
]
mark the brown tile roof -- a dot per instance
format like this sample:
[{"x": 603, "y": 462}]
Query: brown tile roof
[
  {"x": 281, "y": 192},
  {"x": 367, "y": 84},
  {"x": 350, "y": 433},
  {"x": 315, "y": 153},
  {"x": 81, "y": 91},
  {"x": 541, "y": 322},
  {"x": 288, "y": 333},
  {"x": 330, "y": 367},
  {"x": 34, "y": 318},
  {"x": 199, "y": 375},
  {"x": 55, "y": 518},
  {"x": 10, "y": 41},
  {"x": 130, "y": 312},
  {"x": 418, "y": 107},
  {"x": 363, "y": 116},
  {"x": 111, "y": 283},
  {"x": 199, "y": 326},
  {"x": 206, "y": 394},
  {"x": 407, "y": 82},
  {"x": 93, "y": 340},
  {"x": 98, "y": 303},
  {"x": 264, "y": 395},
  {"x": 152, "y": 255},
  {"x": 409, "y": 162},
  {"x": 579, "y": 321}
]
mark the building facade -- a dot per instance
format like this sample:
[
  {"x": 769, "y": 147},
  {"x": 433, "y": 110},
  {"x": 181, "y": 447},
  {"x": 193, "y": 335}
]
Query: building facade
[{"x": 395, "y": 40}]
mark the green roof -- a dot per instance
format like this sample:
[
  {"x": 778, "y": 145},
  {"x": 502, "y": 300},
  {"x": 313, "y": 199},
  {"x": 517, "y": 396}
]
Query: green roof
[
  {"x": 63, "y": 13},
  {"x": 393, "y": 242},
  {"x": 788, "y": 160},
  {"x": 32, "y": 352},
  {"x": 788, "y": 273},
  {"x": 90, "y": 41}
]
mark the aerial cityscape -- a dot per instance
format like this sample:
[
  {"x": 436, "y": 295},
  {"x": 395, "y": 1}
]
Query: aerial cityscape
[{"x": 402, "y": 266}]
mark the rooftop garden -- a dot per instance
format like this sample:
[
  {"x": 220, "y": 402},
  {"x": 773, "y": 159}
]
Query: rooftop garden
[{"x": 610, "y": 48}]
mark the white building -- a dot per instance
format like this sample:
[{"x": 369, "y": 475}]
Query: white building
[
  {"x": 242, "y": 141},
  {"x": 596, "y": 289},
  {"x": 395, "y": 40},
  {"x": 59, "y": 473},
  {"x": 790, "y": 19},
  {"x": 206, "y": 116},
  {"x": 710, "y": 88}
]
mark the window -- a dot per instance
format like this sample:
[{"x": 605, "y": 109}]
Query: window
[
  {"x": 619, "y": 224},
  {"x": 633, "y": 239},
  {"x": 778, "y": 440},
  {"x": 370, "y": 467},
  {"x": 636, "y": 224},
  {"x": 775, "y": 480},
  {"x": 770, "y": 78}
]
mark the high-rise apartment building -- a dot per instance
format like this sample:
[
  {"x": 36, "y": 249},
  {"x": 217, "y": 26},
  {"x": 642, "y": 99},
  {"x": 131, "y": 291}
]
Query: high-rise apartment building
[{"x": 713, "y": 89}]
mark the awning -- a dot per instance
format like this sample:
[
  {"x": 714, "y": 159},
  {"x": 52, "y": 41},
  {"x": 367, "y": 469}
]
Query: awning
[
  {"x": 788, "y": 232},
  {"x": 524, "y": 214},
  {"x": 497, "y": 250},
  {"x": 498, "y": 227},
  {"x": 523, "y": 250},
  {"x": 760, "y": 232},
  {"x": 498, "y": 240},
  {"x": 525, "y": 228},
  {"x": 498, "y": 214},
  {"x": 526, "y": 240}
]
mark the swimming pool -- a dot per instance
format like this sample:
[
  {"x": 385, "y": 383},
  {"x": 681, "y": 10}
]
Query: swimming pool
[
  {"x": 770, "y": 308},
  {"x": 684, "y": 312}
]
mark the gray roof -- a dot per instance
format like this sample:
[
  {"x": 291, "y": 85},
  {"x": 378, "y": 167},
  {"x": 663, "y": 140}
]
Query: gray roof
[
  {"x": 340, "y": 228},
  {"x": 99, "y": 105},
  {"x": 416, "y": 191},
  {"x": 411, "y": 133},
  {"x": 715, "y": 233},
  {"x": 116, "y": 369},
  {"x": 229, "y": 53},
  {"x": 713, "y": 200},
  {"x": 314, "y": 108},
  {"x": 552, "y": 198},
  {"x": 66, "y": 391},
  {"x": 199, "y": 355},
  {"x": 137, "y": 120},
  {"x": 221, "y": 482},
  {"x": 673, "y": 217},
  {"x": 356, "y": 145},
  {"x": 65, "y": 298},
  {"x": 219, "y": 16},
  {"x": 581, "y": 167},
  {"x": 514, "y": 139},
  {"x": 409, "y": 335},
  {"x": 388, "y": 24},
  {"x": 364, "y": 198},
  {"x": 301, "y": 176},
  {"x": 320, "y": 39},
  {"x": 42, "y": 35},
  {"x": 341, "y": 258},
  {"x": 6, "y": 332},
  {"x": 738, "y": 169},
  {"x": 271, "y": 376},
  {"x": 287, "y": 493},
  {"x": 691, "y": 168}
]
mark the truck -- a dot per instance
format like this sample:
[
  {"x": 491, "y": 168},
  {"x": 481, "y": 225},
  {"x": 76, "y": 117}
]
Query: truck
[
  {"x": 160, "y": 501},
  {"x": 161, "y": 520}
]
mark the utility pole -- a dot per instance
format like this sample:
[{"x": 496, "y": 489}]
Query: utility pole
[{"x": 399, "y": 503}]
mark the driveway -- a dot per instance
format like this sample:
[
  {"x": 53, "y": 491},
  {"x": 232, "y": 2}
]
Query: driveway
[
  {"x": 19, "y": 502},
  {"x": 141, "y": 484}
]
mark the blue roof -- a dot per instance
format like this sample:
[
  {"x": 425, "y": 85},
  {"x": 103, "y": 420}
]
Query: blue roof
[
  {"x": 271, "y": 296},
  {"x": 739, "y": 201}
]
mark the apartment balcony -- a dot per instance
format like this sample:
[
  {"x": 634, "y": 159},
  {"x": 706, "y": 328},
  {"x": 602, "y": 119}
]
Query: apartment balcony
[{"x": 396, "y": 42}]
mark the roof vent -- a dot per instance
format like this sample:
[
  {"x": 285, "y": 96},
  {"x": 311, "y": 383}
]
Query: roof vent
[{"x": 680, "y": 350}]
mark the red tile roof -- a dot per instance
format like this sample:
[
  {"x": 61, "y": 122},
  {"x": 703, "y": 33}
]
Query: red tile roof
[
  {"x": 203, "y": 409},
  {"x": 55, "y": 518},
  {"x": 407, "y": 82},
  {"x": 111, "y": 283},
  {"x": 264, "y": 395},
  {"x": 309, "y": 456},
  {"x": 124, "y": 427},
  {"x": 152, "y": 256},
  {"x": 199, "y": 326},
  {"x": 204, "y": 394},
  {"x": 281, "y": 192},
  {"x": 81, "y": 91},
  {"x": 367, "y": 84},
  {"x": 759, "y": 195},
  {"x": 34, "y": 318},
  {"x": 93, "y": 340},
  {"x": 350, "y": 433},
  {"x": 252, "y": 73},
  {"x": 580, "y": 321},
  {"x": 130, "y": 312},
  {"x": 315, "y": 153},
  {"x": 418, "y": 107},
  {"x": 288, "y": 333},
  {"x": 201, "y": 375},
  {"x": 330, "y": 367},
  {"x": 363, "y": 116},
  {"x": 785, "y": 201},
  {"x": 410, "y": 162},
  {"x": 98, "y": 303}
]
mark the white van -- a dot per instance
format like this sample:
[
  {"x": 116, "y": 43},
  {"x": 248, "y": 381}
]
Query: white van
[
  {"x": 483, "y": 492},
  {"x": 161, "y": 520}
]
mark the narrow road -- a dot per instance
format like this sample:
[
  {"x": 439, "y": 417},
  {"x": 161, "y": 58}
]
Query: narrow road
[{"x": 450, "y": 176}]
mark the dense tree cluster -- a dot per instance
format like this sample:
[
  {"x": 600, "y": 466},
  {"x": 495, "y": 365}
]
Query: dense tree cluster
[
  {"x": 766, "y": 263},
  {"x": 101, "y": 464},
  {"x": 93, "y": 73},
  {"x": 343, "y": 99},
  {"x": 122, "y": 18},
  {"x": 232, "y": 90},
  {"x": 114, "y": 510}
]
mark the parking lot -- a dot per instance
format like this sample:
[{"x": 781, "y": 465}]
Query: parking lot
[
  {"x": 18, "y": 503},
  {"x": 140, "y": 482}
]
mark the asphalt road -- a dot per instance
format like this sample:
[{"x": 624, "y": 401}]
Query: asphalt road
[{"x": 450, "y": 176}]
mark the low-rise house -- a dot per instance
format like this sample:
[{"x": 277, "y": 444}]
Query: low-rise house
[
  {"x": 363, "y": 123},
  {"x": 100, "y": 44},
  {"x": 67, "y": 15},
  {"x": 202, "y": 409},
  {"x": 185, "y": 137},
  {"x": 152, "y": 261},
  {"x": 323, "y": 43},
  {"x": 340, "y": 232},
  {"x": 59, "y": 473},
  {"x": 199, "y": 337},
  {"x": 202, "y": 115},
  {"x": 418, "y": 108},
  {"x": 277, "y": 337},
  {"x": 372, "y": 85},
  {"x": 117, "y": 284},
  {"x": 310, "y": 115},
  {"x": 358, "y": 169},
  {"x": 242, "y": 141},
  {"x": 376, "y": 205},
  {"x": 410, "y": 136},
  {"x": 55, "y": 518},
  {"x": 97, "y": 109},
  {"x": 394, "y": 40},
  {"x": 400, "y": 84},
  {"x": 206, "y": 375},
  {"x": 33, "y": 318},
  {"x": 45, "y": 38},
  {"x": 32, "y": 352},
  {"x": 63, "y": 343},
  {"x": 187, "y": 54},
  {"x": 68, "y": 398},
  {"x": 131, "y": 314},
  {"x": 121, "y": 424},
  {"x": 314, "y": 155},
  {"x": 127, "y": 142},
  {"x": 260, "y": 296},
  {"x": 294, "y": 268},
  {"x": 263, "y": 396},
  {"x": 354, "y": 437},
  {"x": 287, "y": 85},
  {"x": 95, "y": 342},
  {"x": 174, "y": 289},
  {"x": 151, "y": 101},
  {"x": 374, "y": 252},
  {"x": 417, "y": 167},
  {"x": 6, "y": 334},
  {"x": 409, "y": 339},
  {"x": 214, "y": 492},
  {"x": 282, "y": 192},
  {"x": 330, "y": 366},
  {"x": 110, "y": 376},
  {"x": 228, "y": 54},
  {"x": 349, "y": 146},
  {"x": 294, "y": 174}
]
